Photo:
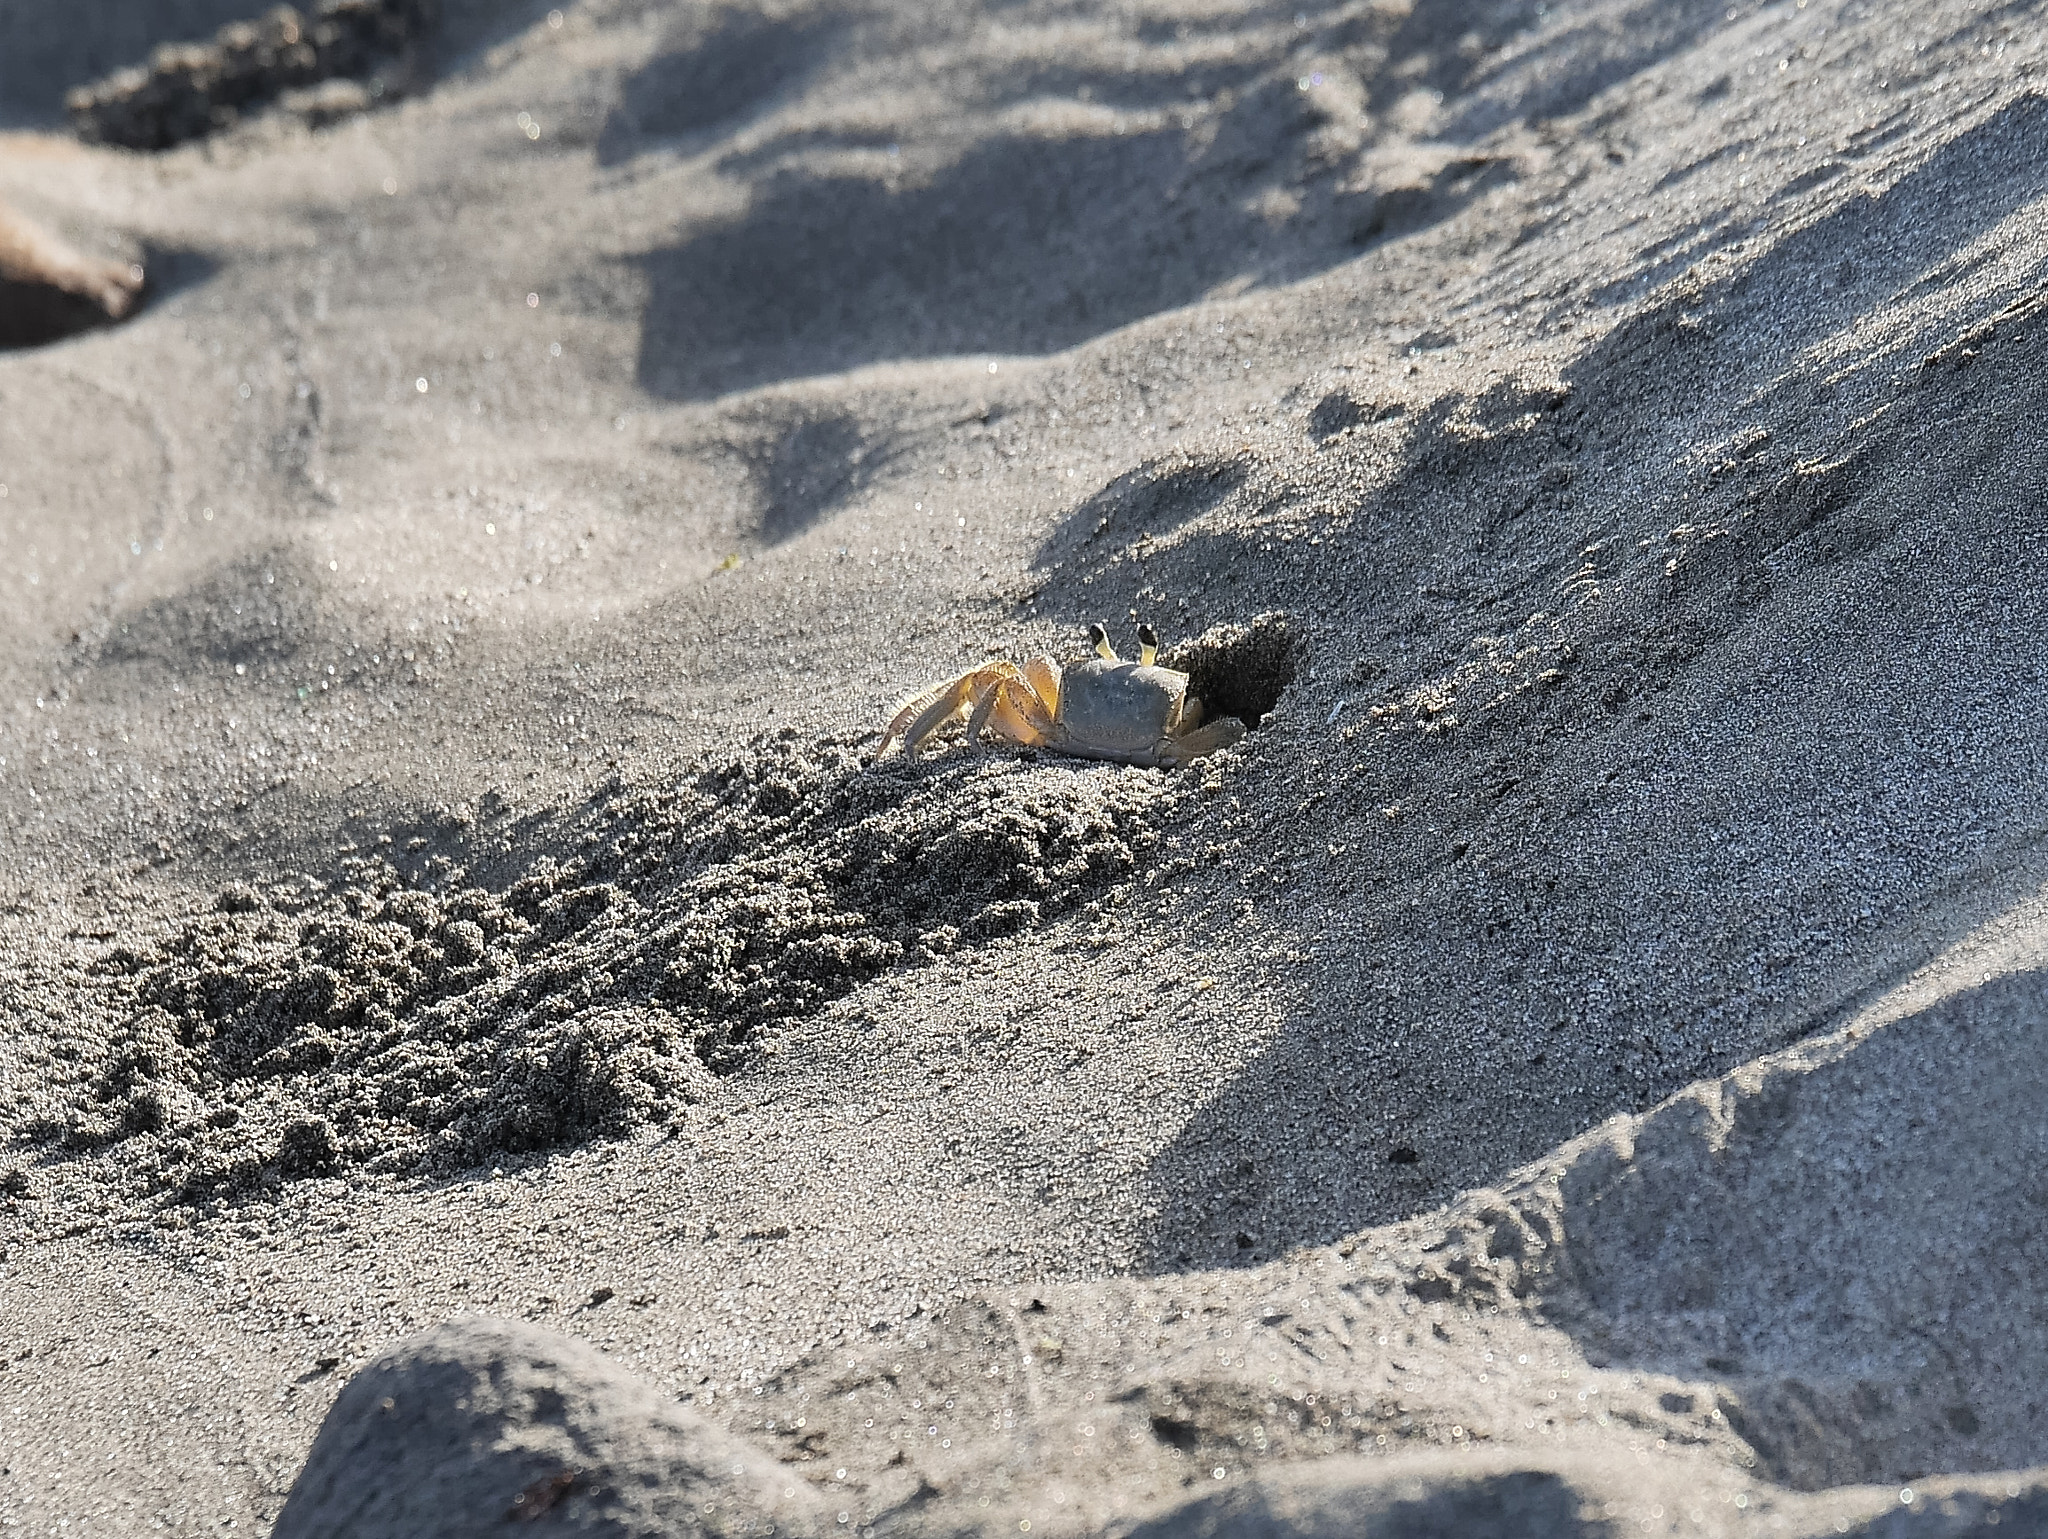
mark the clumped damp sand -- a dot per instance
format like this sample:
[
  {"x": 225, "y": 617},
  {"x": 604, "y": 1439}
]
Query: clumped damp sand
[{"x": 368, "y": 1023}]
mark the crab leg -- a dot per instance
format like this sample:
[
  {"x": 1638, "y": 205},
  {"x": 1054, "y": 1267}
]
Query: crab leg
[
  {"x": 1201, "y": 742},
  {"x": 1019, "y": 716},
  {"x": 987, "y": 699},
  {"x": 924, "y": 714},
  {"x": 1043, "y": 675}
]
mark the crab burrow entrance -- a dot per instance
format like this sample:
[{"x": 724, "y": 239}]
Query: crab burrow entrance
[{"x": 1240, "y": 670}]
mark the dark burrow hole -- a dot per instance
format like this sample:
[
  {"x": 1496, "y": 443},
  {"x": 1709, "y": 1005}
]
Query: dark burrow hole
[{"x": 1239, "y": 670}]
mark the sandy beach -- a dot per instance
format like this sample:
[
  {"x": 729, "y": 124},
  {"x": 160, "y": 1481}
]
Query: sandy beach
[{"x": 485, "y": 1037}]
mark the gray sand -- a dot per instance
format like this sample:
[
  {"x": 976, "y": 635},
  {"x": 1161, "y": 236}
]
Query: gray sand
[{"x": 1575, "y": 1067}]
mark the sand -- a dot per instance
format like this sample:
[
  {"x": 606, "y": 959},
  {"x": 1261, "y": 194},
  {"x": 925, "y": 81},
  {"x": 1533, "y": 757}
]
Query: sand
[{"x": 483, "y": 1037}]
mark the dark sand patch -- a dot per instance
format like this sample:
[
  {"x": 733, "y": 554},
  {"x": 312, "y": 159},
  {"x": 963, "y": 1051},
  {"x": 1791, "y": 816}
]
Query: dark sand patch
[{"x": 302, "y": 1029}]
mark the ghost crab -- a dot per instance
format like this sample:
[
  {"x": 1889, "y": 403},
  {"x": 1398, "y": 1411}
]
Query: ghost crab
[{"x": 1100, "y": 707}]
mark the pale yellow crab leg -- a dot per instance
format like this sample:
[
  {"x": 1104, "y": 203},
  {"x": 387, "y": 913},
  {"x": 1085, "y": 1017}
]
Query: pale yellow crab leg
[
  {"x": 932, "y": 710},
  {"x": 1019, "y": 716},
  {"x": 907, "y": 712},
  {"x": 1043, "y": 675},
  {"x": 1148, "y": 645},
  {"x": 990, "y": 680},
  {"x": 1098, "y": 638}
]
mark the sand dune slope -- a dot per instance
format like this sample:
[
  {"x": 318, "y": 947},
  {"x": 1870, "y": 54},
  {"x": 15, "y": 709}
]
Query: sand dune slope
[{"x": 1574, "y": 1068}]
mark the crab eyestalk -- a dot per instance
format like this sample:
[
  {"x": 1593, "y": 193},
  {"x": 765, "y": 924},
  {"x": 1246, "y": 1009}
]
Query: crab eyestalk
[
  {"x": 1148, "y": 645},
  {"x": 1098, "y": 638}
]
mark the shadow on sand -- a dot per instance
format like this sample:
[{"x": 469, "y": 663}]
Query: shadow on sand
[{"x": 1502, "y": 939}]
